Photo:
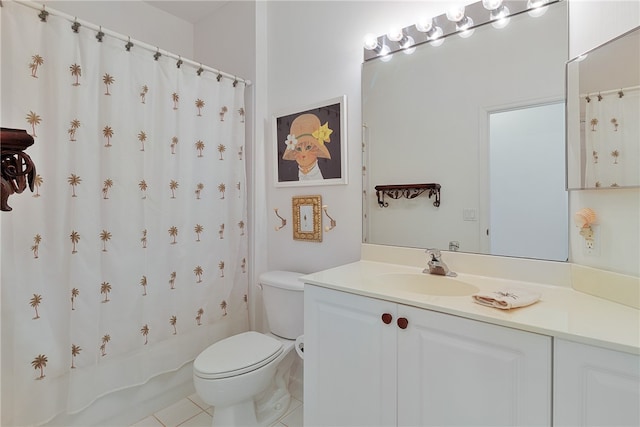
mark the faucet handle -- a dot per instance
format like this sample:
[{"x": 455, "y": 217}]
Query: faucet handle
[{"x": 434, "y": 254}]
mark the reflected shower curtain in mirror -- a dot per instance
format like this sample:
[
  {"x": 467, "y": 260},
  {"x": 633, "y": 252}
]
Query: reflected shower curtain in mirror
[
  {"x": 129, "y": 258},
  {"x": 612, "y": 132}
]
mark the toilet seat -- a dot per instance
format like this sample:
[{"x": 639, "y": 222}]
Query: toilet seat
[{"x": 237, "y": 355}]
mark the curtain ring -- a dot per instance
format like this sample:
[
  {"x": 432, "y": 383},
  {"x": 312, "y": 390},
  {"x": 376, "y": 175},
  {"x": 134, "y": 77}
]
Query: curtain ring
[
  {"x": 157, "y": 54},
  {"x": 200, "y": 70},
  {"x": 179, "y": 63},
  {"x": 43, "y": 15},
  {"x": 76, "y": 25},
  {"x": 128, "y": 45},
  {"x": 100, "y": 35},
  {"x": 219, "y": 76},
  {"x": 235, "y": 81}
]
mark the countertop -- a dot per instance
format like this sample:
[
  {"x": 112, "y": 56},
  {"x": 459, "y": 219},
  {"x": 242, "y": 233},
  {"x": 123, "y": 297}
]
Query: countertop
[{"x": 561, "y": 312}]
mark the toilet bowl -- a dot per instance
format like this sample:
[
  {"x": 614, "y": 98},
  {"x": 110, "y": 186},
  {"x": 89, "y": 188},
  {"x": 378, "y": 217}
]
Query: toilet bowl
[{"x": 245, "y": 376}]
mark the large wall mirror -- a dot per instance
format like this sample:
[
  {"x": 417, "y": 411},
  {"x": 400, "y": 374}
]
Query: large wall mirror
[
  {"x": 484, "y": 118},
  {"x": 603, "y": 115}
]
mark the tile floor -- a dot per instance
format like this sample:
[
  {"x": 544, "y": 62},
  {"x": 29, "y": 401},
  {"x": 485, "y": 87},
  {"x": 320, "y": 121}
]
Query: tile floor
[{"x": 193, "y": 412}]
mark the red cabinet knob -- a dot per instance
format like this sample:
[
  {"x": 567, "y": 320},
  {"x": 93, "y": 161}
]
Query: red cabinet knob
[
  {"x": 403, "y": 323},
  {"x": 387, "y": 318}
]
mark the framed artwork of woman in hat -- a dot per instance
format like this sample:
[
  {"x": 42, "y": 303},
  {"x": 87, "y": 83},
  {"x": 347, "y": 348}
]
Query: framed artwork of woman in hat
[{"x": 310, "y": 145}]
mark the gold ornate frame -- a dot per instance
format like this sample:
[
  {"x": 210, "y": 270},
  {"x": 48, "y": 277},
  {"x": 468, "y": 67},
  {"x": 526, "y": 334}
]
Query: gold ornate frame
[{"x": 307, "y": 218}]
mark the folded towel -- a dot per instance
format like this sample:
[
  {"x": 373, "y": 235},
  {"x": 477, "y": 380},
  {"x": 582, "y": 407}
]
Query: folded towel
[{"x": 506, "y": 298}]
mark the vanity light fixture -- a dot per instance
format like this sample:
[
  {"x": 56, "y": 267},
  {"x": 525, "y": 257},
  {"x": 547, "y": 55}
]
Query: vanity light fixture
[{"x": 461, "y": 20}]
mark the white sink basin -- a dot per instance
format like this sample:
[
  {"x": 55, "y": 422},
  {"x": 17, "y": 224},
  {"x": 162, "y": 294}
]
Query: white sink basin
[{"x": 428, "y": 284}]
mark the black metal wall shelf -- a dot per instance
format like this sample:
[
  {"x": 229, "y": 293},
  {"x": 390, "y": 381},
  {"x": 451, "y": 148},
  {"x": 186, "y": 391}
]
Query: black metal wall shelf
[{"x": 408, "y": 191}]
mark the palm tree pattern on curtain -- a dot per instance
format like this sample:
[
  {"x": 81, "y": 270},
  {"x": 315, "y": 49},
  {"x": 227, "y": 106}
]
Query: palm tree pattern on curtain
[{"x": 116, "y": 257}]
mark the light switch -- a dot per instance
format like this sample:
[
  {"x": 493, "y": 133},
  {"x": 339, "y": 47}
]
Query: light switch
[{"x": 469, "y": 214}]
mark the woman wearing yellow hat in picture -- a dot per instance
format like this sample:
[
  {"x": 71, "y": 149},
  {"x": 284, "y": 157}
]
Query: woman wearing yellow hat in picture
[{"x": 305, "y": 144}]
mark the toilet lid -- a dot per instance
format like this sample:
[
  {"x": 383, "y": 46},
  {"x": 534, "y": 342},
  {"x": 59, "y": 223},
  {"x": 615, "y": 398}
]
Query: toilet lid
[{"x": 236, "y": 355}]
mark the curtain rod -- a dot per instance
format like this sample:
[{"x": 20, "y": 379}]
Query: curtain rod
[
  {"x": 608, "y": 92},
  {"x": 98, "y": 29}
]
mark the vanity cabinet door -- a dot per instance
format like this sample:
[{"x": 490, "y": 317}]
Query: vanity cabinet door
[
  {"x": 456, "y": 371},
  {"x": 594, "y": 386},
  {"x": 350, "y": 359}
]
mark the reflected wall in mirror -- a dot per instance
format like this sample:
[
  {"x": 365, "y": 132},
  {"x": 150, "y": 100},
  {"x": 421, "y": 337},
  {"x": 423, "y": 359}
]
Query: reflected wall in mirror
[
  {"x": 427, "y": 118},
  {"x": 603, "y": 115}
]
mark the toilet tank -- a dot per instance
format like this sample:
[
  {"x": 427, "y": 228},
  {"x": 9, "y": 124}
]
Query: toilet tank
[{"x": 283, "y": 298}]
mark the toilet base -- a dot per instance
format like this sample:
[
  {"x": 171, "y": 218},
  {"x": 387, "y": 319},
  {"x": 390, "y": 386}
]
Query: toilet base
[
  {"x": 274, "y": 402},
  {"x": 241, "y": 414}
]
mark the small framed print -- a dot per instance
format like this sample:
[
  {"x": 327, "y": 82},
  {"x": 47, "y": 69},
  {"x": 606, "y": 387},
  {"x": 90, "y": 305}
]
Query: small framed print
[
  {"x": 310, "y": 145},
  {"x": 307, "y": 218}
]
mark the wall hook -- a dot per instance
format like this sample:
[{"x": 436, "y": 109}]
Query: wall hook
[
  {"x": 332, "y": 221},
  {"x": 284, "y": 221}
]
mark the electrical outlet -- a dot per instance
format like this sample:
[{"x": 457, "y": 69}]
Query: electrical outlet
[{"x": 591, "y": 246}]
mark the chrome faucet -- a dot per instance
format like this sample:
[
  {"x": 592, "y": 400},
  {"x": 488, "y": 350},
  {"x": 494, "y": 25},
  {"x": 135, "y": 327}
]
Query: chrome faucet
[{"x": 436, "y": 265}]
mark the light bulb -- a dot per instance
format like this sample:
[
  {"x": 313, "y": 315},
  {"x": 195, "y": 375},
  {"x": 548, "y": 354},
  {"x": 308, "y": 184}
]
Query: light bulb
[
  {"x": 436, "y": 33},
  {"x": 395, "y": 34},
  {"x": 464, "y": 24},
  {"x": 370, "y": 41},
  {"x": 424, "y": 25},
  {"x": 455, "y": 13},
  {"x": 500, "y": 17},
  {"x": 465, "y": 27},
  {"x": 537, "y": 8},
  {"x": 437, "y": 42},
  {"x": 408, "y": 45},
  {"x": 385, "y": 56},
  {"x": 491, "y": 4}
]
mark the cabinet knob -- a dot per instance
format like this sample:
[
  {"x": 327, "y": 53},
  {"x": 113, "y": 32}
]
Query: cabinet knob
[
  {"x": 403, "y": 322},
  {"x": 387, "y": 318}
]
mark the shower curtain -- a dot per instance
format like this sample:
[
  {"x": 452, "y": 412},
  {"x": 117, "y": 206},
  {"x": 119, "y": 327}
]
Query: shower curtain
[
  {"x": 130, "y": 256},
  {"x": 612, "y": 132}
]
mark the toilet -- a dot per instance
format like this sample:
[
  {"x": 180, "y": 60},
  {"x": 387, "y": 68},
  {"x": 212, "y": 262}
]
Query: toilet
[{"x": 245, "y": 376}]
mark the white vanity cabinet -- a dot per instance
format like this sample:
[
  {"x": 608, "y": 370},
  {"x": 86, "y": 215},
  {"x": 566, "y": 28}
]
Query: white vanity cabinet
[
  {"x": 594, "y": 386},
  {"x": 370, "y": 362}
]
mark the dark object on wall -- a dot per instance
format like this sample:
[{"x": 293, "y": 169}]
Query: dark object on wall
[
  {"x": 408, "y": 191},
  {"x": 18, "y": 169}
]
